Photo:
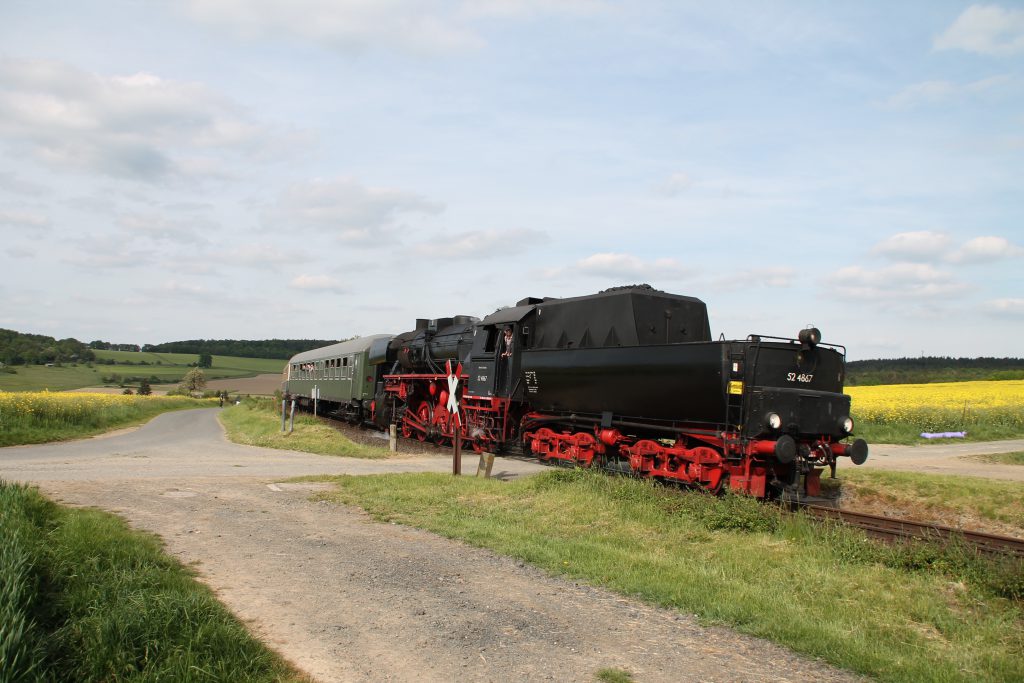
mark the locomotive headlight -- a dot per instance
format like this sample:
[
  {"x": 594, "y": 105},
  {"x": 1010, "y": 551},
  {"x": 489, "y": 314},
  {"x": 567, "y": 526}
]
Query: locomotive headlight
[
  {"x": 848, "y": 425},
  {"x": 773, "y": 420}
]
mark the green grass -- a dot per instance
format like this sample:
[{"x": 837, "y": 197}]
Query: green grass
[
  {"x": 897, "y": 613},
  {"x": 970, "y": 497},
  {"x": 255, "y": 366},
  {"x": 85, "y": 598},
  {"x": 255, "y": 423},
  {"x": 910, "y": 435},
  {"x": 172, "y": 367},
  {"x": 614, "y": 676},
  {"x": 1016, "y": 458}
]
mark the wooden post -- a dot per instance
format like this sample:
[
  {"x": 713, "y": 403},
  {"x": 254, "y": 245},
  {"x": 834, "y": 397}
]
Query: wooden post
[
  {"x": 486, "y": 463},
  {"x": 457, "y": 453},
  {"x": 393, "y": 438},
  {"x": 291, "y": 428},
  {"x": 284, "y": 412}
]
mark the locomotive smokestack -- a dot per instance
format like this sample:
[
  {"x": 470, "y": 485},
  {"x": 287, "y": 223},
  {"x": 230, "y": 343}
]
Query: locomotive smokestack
[{"x": 809, "y": 337}]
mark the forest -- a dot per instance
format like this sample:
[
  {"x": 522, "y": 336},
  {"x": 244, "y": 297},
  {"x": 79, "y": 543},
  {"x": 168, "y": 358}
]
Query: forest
[
  {"x": 18, "y": 348},
  {"x": 927, "y": 369},
  {"x": 282, "y": 349}
]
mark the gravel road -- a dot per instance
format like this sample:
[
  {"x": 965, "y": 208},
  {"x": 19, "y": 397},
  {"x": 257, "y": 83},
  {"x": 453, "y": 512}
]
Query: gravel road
[
  {"x": 349, "y": 599},
  {"x": 948, "y": 458}
]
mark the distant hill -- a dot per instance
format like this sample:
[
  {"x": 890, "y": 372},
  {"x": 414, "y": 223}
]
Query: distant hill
[
  {"x": 281, "y": 349},
  {"x": 931, "y": 369},
  {"x": 19, "y": 348}
]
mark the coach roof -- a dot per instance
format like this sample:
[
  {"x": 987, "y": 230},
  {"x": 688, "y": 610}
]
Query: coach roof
[{"x": 358, "y": 345}]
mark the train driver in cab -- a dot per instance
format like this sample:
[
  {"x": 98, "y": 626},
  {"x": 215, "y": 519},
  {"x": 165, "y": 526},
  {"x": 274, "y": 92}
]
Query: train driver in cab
[{"x": 506, "y": 343}]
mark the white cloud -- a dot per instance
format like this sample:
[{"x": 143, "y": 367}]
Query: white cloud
[
  {"x": 177, "y": 288},
  {"x": 933, "y": 92},
  {"x": 20, "y": 252},
  {"x": 897, "y": 281},
  {"x": 622, "y": 268},
  {"x": 140, "y": 126},
  {"x": 353, "y": 26},
  {"x": 1005, "y": 308},
  {"x": 11, "y": 182},
  {"x": 675, "y": 184},
  {"x": 24, "y": 219},
  {"x": 773, "y": 276},
  {"x": 985, "y": 250},
  {"x": 921, "y": 245},
  {"x": 317, "y": 283},
  {"x": 521, "y": 8},
  {"x": 342, "y": 207},
  {"x": 481, "y": 244},
  {"x": 926, "y": 246},
  {"x": 985, "y": 29},
  {"x": 259, "y": 255},
  {"x": 163, "y": 228}
]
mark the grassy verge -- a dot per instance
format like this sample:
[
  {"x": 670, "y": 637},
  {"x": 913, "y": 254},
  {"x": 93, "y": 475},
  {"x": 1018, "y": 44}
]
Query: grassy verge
[
  {"x": 910, "y": 434},
  {"x": 254, "y": 422},
  {"x": 84, "y": 598},
  {"x": 898, "y": 613},
  {"x": 40, "y": 417},
  {"x": 957, "y": 501},
  {"x": 1001, "y": 458}
]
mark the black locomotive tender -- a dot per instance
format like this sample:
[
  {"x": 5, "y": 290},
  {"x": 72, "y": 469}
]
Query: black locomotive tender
[{"x": 628, "y": 379}]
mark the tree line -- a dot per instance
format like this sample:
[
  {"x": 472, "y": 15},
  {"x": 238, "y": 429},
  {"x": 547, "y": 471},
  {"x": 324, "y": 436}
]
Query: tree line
[
  {"x": 282, "y": 349},
  {"x": 19, "y": 348},
  {"x": 927, "y": 369}
]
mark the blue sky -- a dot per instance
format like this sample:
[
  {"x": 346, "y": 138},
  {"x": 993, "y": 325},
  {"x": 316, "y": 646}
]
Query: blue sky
[{"x": 328, "y": 168}]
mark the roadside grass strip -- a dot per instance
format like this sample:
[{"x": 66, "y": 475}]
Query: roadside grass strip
[
  {"x": 42, "y": 416},
  {"x": 899, "y": 613},
  {"x": 84, "y": 598},
  {"x": 899, "y": 413},
  {"x": 254, "y": 422},
  {"x": 964, "y": 498},
  {"x": 1016, "y": 458}
]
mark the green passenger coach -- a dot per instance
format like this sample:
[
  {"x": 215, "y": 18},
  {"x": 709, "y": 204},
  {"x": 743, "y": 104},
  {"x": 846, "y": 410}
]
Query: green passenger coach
[{"x": 339, "y": 377}]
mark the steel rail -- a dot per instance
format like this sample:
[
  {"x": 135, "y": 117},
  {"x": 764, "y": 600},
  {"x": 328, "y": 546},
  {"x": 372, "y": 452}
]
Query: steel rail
[{"x": 893, "y": 529}]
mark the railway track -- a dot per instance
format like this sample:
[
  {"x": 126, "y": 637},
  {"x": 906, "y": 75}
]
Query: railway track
[{"x": 895, "y": 529}]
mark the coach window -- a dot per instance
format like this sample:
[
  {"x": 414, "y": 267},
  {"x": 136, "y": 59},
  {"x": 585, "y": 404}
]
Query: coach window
[{"x": 337, "y": 368}]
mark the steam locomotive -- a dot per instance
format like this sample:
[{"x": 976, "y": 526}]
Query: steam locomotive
[{"x": 628, "y": 379}]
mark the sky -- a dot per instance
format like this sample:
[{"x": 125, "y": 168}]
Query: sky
[{"x": 252, "y": 169}]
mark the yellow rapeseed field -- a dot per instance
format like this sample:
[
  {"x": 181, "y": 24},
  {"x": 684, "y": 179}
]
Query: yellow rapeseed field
[
  {"x": 34, "y": 416},
  {"x": 941, "y": 406}
]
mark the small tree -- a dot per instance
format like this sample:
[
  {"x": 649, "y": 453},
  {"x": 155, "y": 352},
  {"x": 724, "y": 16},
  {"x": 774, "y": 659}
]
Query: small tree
[
  {"x": 194, "y": 380},
  {"x": 127, "y": 392},
  {"x": 205, "y": 360},
  {"x": 144, "y": 388}
]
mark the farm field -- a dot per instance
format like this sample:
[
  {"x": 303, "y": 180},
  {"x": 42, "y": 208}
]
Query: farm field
[
  {"x": 39, "y": 417},
  {"x": 128, "y": 368},
  {"x": 899, "y": 413}
]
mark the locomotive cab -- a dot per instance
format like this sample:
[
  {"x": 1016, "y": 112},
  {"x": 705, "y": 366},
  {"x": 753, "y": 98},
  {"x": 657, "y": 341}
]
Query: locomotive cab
[{"x": 495, "y": 361}]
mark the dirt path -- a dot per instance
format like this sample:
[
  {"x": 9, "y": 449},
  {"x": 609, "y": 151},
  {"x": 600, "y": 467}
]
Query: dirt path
[
  {"x": 948, "y": 458},
  {"x": 349, "y": 599}
]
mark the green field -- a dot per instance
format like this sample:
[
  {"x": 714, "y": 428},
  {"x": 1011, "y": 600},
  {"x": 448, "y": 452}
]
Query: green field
[{"x": 129, "y": 367}]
